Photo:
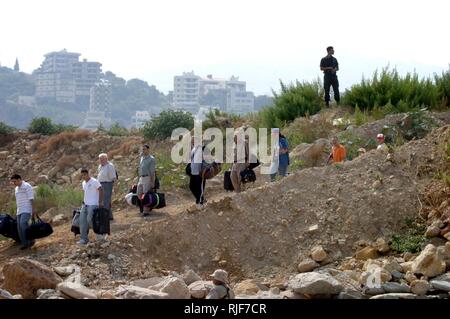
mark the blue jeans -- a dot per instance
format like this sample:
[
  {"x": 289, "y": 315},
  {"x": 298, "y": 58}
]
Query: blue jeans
[
  {"x": 107, "y": 195},
  {"x": 282, "y": 171},
  {"x": 86, "y": 214},
  {"x": 22, "y": 226}
]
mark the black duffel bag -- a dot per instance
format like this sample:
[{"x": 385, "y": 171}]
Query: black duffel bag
[
  {"x": 248, "y": 175},
  {"x": 38, "y": 229},
  {"x": 154, "y": 200},
  {"x": 100, "y": 221},
  {"x": 8, "y": 227}
]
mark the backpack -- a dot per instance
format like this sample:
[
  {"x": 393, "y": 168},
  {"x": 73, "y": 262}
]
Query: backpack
[
  {"x": 248, "y": 175},
  {"x": 100, "y": 221}
]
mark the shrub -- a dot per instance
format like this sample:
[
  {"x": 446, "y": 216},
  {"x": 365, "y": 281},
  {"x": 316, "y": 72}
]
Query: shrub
[
  {"x": 402, "y": 94},
  {"x": 45, "y": 126},
  {"x": 306, "y": 130},
  {"x": 47, "y": 197},
  {"x": 293, "y": 101},
  {"x": 117, "y": 130},
  {"x": 412, "y": 241},
  {"x": 5, "y": 129},
  {"x": 56, "y": 141},
  {"x": 161, "y": 127}
]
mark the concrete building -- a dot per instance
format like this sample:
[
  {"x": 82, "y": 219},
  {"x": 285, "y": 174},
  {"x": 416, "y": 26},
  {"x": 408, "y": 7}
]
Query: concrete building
[
  {"x": 229, "y": 95},
  {"x": 99, "y": 112},
  {"x": 140, "y": 118},
  {"x": 64, "y": 78}
]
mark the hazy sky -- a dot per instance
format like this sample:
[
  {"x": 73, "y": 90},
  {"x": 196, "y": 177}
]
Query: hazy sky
[{"x": 260, "y": 41}]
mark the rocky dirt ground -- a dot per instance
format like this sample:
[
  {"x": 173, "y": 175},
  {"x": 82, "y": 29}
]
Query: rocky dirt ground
[{"x": 320, "y": 232}]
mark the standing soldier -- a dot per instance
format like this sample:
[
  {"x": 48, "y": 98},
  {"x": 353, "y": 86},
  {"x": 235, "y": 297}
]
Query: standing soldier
[
  {"x": 329, "y": 65},
  {"x": 106, "y": 175}
]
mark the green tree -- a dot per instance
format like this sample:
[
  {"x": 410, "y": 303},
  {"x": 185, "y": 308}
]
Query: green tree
[
  {"x": 5, "y": 129},
  {"x": 161, "y": 127},
  {"x": 42, "y": 125}
]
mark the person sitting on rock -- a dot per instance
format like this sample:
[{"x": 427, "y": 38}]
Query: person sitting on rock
[
  {"x": 338, "y": 152},
  {"x": 381, "y": 144},
  {"x": 221, "y": 290}
]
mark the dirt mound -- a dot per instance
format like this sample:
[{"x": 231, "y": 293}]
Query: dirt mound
[{"x": 275, "y": 225}]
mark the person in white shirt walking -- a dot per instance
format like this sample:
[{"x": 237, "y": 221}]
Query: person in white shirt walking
[
  {"x": 93, "y": 198},
  {"x": 24, "y": 202},
  {"x": 106, "y": 175}
]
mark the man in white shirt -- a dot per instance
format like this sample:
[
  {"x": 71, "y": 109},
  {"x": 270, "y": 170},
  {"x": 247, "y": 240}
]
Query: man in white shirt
[
  {"x": 24, "y": 202},
  {"x": 106, "y": 175},
  {"x": 93, "y": 198}
]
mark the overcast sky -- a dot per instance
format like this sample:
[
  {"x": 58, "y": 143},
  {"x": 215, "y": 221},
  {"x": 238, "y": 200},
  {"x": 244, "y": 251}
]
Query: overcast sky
[{"x": 259, "y": 41}]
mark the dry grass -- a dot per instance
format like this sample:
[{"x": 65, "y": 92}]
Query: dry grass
[
  {"x": 127, "y": 147},
  {"x": 63, "y": 139}
]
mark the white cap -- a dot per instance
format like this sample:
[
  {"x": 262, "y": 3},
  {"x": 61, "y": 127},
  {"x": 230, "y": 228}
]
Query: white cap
[
  {"x": 220, "y": 275},
  {"x": 380, "y": 135}
]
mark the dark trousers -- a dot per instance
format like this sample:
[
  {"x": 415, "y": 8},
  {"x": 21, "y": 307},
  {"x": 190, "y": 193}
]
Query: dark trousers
[
  {"x": 331, "y": 80},
  {"x": 107, "y": 196},
  {"x": 197, "y": 187}
]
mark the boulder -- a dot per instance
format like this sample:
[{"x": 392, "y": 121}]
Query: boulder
[
  {"x": 42, "y": 179},
  {"x": 318, "y": 254},
  {"x": 200, "y": 289},
  {"x": 246, "y": 287},
  {"x": 5, "y": 294},
  {"x": 307, "y": 265},
  {"x": 391, "y": 266},
  {"x": 429, "y": 263},
  {"x": 350, "y": 294},
  {"x": 134, "y": 292},
  {"x": 420, "y": 287},
  {"x": 174, "y": 287},
  {"x": 47, "y": 294},
  {"x": 440, "y": 285},
  {"x": 66, "y": 270},
  {"x": 393, "y": 287},
  {"x": 145, "y": 283},
  {"x": 76, "y": 291},
  {"x": 381, "y": 246},
  {"x": 312, "y": 154},
  {"x": 395, "y": 296},
  {"x": 366, "y": 253},
  {"x": 432, "y": 231},
  {"x": 314, "y": 283},
  {"x": 410, "y": 277},
  {"x": 25, "y": 276},
  {"x": 190, "y": 276}
]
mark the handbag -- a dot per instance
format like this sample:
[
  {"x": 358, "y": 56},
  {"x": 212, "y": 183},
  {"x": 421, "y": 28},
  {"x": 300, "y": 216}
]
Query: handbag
[
  {"x": 75, "y": 229},
  {"x": 38, "y": 229}
]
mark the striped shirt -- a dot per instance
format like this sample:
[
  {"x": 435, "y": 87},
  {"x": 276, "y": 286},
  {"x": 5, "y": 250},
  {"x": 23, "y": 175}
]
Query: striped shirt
[{"x": 24, "y": 195}]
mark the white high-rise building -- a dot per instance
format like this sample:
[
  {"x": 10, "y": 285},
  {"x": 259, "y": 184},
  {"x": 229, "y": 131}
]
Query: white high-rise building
[
  {"x": 230, "y": 95},
  {"x": 99, "y": 113}
]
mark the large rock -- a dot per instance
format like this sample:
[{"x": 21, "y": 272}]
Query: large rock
[
  {"x": 246, "y": 287},
  {"x": 313, "y": 283},
  {"x": 420, "y": 287},
  {"x": 318, "y": 254},
  {"x": 65, "y": 271},
  {"x": 190, "y": 276},
  {"x": 47, "y": 294},
  {"x": 200, "y": 289},
  {"x": 134, "y": 292},
  {"x": 307, "y": 265},
  {"x": 381, "y": 246},
  {"x": 393, "y": 287},
  {"x": 440, "y": 285},
  {"x": 395, "y": 296},
  {"x": 429, "y": 263},
  {"x": 148, "y": 282},
  {"x": 5, "y": 294},
  {"x": 175, "y": 287},
  {"x": 432, "y": 231},
  {"x": 25, "y": 276},
  {"x": 76, "y": 291},
  {"x": 367, "y": 253},
  {"x": 312, "y": 154}
]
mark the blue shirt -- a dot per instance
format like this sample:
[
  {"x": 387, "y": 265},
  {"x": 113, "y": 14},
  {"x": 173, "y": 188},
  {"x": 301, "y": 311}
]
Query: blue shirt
[{"x": 284, "y": 158}]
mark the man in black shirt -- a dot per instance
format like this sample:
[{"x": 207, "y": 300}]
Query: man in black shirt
[{"x": 329, "y": 65}]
